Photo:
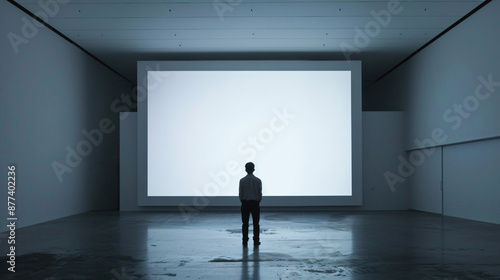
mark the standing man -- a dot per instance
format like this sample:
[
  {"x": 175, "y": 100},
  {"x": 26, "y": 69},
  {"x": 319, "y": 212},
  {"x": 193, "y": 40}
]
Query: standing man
[{"x": 250, "y": 197}]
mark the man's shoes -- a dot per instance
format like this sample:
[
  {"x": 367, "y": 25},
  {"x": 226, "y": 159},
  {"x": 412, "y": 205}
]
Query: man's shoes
[
  {"x": 245, "y": 244},
  {"x": 256, "y": 241}
]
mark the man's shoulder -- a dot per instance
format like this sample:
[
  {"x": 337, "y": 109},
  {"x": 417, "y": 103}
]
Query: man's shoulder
[
  {"x": 256, "y": 178},
  {"x": 250, "y": 177},
  {"x": 244, "y": 179}
]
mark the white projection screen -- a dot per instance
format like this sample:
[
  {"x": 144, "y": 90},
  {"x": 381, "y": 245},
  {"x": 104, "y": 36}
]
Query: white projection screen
[{"x": 199, "y": 122}]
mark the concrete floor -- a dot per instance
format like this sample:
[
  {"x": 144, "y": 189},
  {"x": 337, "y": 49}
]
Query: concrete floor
[{"x": 336, "y": 245}]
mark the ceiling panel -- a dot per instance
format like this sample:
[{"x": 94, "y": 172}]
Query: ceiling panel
[
  {"x": 120, "y": 32},
  {"x": 144, "y": 9},
  {"x": 298, "y": 33},
  {"x": 245, "y": 23},
  {"x": 244, "y": 45}
]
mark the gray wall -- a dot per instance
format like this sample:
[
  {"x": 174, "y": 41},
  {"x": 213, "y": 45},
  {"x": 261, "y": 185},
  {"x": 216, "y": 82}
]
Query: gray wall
[
  {"x": 51, "y": 91},
  {"x": 425, "y": 183},
  {"x": 382, "y": 144},
  {"x": 472, "y": 181},
  {"x": 128, "y": 162},
  {"x": 450, "y": 101},
  {"x": 448, "y": 73}
]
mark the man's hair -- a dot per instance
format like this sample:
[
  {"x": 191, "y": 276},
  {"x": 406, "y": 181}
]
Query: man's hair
[{"x": 249, "y": 167}]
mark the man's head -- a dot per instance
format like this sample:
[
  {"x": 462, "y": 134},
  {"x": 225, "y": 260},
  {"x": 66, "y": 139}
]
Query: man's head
[{"x": 250, "y": 167}]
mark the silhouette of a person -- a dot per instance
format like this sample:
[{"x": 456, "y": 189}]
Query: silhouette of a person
[{"x": 250, "y": 196}]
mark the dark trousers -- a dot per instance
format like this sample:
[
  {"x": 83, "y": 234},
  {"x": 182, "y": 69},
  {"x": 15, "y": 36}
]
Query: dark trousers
[{"x": 250, "y": 207}]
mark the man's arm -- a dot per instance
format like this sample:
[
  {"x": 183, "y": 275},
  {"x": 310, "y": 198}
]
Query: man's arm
[
  {"x": 240, "y": 193},
  {"x": 260, "y": 190}
]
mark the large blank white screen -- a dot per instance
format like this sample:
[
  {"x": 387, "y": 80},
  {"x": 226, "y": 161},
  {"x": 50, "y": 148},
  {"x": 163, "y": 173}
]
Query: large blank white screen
[{"x": 199, "y": 122}]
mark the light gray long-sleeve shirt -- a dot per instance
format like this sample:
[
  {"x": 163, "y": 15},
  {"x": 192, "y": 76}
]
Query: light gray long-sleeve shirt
[{"x": 250, "y": 188}]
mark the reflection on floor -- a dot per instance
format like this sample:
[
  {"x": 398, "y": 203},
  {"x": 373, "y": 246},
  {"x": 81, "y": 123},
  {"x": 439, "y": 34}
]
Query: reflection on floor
[{"x": 334, "y": 245}]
